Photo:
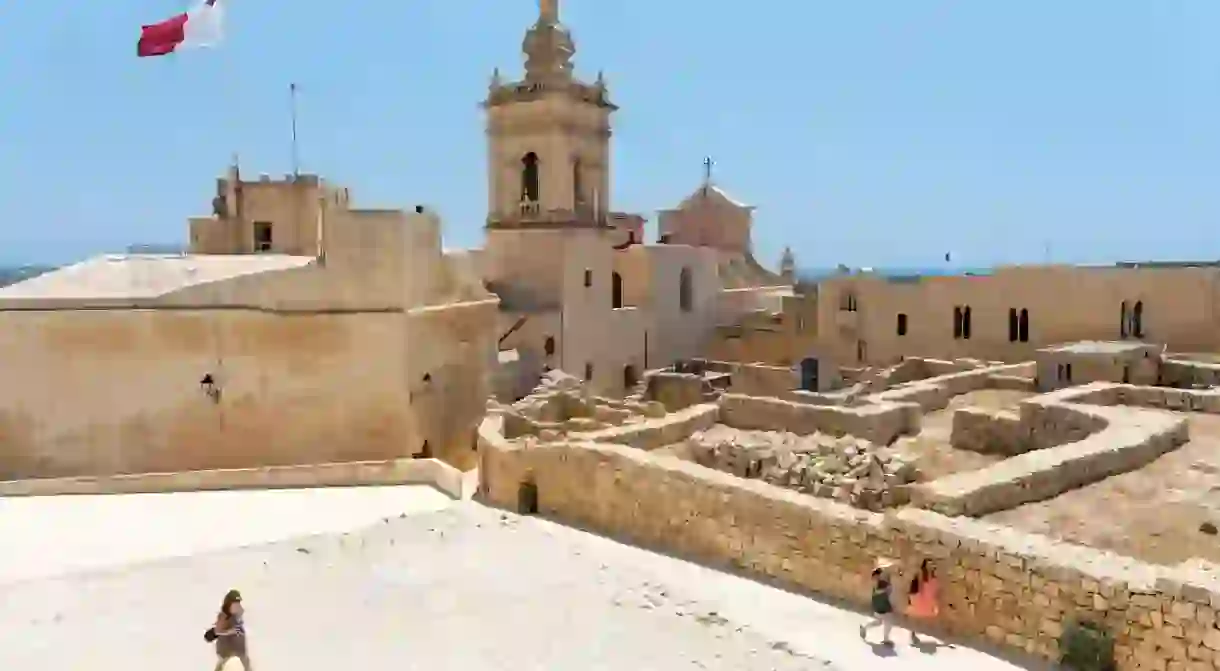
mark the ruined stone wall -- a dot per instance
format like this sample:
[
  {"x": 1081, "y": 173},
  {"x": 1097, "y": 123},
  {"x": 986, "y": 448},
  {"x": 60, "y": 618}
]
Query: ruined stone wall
[
  {"x": 989, "y": 432},
  {"x": 1182, "y": 373},
  {"x": 879, "y": 423},
  {"x": 760, "y": 380},
  {"x": 1015, "y": 589},
  {"x": 675, "y": 390}
]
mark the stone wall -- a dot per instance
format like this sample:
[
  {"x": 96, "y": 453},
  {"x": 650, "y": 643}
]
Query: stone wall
[
  {"x": 659, "y": 432},
  {"x": 1182, "y": 373},
  {"x": 676, "y": 390},
  {"x": 989, "y": 432},
  {"x": 1061, "y": 445},
  {"x": 760, "y": 380},
  {"x": 880, "y": 423},
  {"x": 1016, "y": 589}
]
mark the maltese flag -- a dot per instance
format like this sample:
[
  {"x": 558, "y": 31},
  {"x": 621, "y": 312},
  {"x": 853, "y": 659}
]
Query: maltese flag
[{"x": 199, "y": 27}]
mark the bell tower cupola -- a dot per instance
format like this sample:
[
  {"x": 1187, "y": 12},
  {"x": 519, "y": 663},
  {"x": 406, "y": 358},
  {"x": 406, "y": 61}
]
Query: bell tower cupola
[{"x": 548, "y": 136}]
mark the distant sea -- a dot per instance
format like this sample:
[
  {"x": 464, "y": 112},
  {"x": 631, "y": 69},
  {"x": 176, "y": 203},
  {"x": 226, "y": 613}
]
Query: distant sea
[
  {"x": 14, "y": 274},
  {"x": 815, "y": 274}
]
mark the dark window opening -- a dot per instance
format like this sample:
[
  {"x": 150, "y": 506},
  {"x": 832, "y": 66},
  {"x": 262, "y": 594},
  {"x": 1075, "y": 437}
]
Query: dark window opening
[
  {"x": 902, "y": 324},
  {"x": 548, "y": 346},
  {"x": 529, "y": 177},
  {"x": 1023, "y": 326},
  {"x": 588, "y": 278},
  {"x": 957, "y": 322},
  {"x": 630, "y": 379},
  {"x": 262, "y": 236},
  {"x": 588, "y": 372},
  {"x": 1013, "y": 325},
  {"x": 847, "y": 302},
  {"x": 860, "y": 351},
  {"x": 527, "y": 498},
  {"x": 578, "y": 198},
  {"x": 1123, "y": 321},
  {"x": 427, "y": 377},
  {"x": 425, "y": 451},
  {"x": 616, "y": 290},
  {"x": 966, "y": 323},
  {"x": 1137, "y": 320},
  {"x": 685, "y": 291}
]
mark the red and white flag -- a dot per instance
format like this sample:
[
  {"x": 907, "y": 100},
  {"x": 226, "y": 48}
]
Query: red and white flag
[{"x": 201, "y": 26}]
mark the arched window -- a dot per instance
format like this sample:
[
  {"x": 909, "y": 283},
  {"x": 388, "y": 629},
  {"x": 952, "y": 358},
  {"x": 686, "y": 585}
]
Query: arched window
[
  {"x": 1023, "y": 326},
  {"x": 529, "y": 177},
  {"x": 1137, "y": 320},
  {"x": 686, "y": 298},
  {"x": 966, "y": 323},
  {"x": 1014, "y": 325},
  {"x": 616, "y": 290}
]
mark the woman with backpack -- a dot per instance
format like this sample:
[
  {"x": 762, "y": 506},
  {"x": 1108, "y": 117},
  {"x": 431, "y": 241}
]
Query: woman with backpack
[
  {"x": 229, "y": 632},
  {"x": 882, "y": 606}
]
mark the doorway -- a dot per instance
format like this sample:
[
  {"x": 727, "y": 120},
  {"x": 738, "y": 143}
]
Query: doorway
[{"x": 809, "y": 374}]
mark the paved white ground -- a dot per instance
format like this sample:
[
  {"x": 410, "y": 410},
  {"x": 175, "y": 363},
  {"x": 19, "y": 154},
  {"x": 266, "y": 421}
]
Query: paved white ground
[{"x": 461, "y": 588}]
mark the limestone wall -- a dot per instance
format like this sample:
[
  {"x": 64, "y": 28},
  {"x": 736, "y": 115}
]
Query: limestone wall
[
  {"x": 675, "y": 390},
  {"x": 760, "y": 380},
  {"x": 99, "y": 392},
  {"x": 1016, "y": 589},
  {"x": 1183, "y": 373},
  {"x": 880, "y": 423},
  {"x": 934, "y": 393},
  {"x": 989, "y": 432},
  {"x": 659, "y": 432}
]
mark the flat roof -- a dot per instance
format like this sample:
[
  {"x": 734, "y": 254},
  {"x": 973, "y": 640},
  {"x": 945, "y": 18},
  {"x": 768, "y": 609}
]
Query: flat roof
[
  {"x": 124, "y": 276},
  {"x": 1099, "y": 347}
]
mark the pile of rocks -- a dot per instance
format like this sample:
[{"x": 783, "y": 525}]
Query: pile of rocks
[
  {"x": 561, "y": 404},
  {"x": 846, "y": 469}
]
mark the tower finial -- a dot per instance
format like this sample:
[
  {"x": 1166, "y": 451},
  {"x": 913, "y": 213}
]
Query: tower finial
[
  {"x": 548, "y": 11},
  {"x": 708, "y": 163}
]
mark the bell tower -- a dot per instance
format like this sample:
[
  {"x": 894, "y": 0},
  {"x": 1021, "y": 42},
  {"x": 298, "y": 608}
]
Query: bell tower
[{"x": 548, "y": 137}]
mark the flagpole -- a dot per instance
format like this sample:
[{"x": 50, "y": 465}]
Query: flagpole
[{"x": 296, "y": 157}]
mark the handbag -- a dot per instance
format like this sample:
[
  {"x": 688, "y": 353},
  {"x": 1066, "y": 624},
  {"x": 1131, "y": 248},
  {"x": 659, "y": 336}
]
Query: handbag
[{"x": 209, "y": 635}]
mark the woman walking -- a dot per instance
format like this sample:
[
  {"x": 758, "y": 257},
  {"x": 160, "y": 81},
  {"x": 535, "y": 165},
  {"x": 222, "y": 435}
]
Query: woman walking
[
  {"x": 882, "y": 606},
  {"x": 923, "y": 601},
  {"x": 230, "y": 632}
]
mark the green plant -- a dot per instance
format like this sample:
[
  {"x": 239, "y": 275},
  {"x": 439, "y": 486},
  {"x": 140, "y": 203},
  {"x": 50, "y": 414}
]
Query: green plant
[{"x": 1086, "y": 646}]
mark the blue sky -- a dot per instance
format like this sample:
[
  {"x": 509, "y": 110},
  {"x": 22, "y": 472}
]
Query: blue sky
[{"x": 868, "y": 133}]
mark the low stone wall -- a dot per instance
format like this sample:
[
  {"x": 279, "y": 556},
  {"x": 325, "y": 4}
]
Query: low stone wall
[
  {"x": 1130, "y": 439},
  {"x": 989, "y": 432},
  {"x": 432, "y": 472},
  {"x": 880, "y": 423},
  {"x": 1186, "y": 400},
  {"x": 760, "y": 380},
  {"x": 1016, "y": 589},
  {"x": 1183, "y": 373},
  {"x": 675, "y": 391},
  {"x": 934, "y": 393},
  {"x": 654, "y": 433},
  {"x": 1012, "y": 383}
]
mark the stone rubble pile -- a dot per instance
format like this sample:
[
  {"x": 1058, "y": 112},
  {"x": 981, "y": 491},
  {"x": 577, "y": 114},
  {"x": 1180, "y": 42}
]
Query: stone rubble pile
[
  {"x": 561, "y": 403},
  {"x": 847, "y": 469}
]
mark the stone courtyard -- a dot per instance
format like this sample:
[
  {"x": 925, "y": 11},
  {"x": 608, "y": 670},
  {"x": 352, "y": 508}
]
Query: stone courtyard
[{"x": 459, "y": 586}]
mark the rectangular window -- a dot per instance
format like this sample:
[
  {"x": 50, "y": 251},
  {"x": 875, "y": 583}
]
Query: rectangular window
[
  {"x": 902, "y": 324},
  {"x": 588, "y": 372},
  {"x": 588, "y": 278},
  {"x": 262, "y": 236}
]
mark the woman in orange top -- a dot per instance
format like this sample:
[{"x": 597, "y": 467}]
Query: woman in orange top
[{"x": 923, "y": 601}]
